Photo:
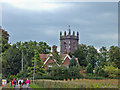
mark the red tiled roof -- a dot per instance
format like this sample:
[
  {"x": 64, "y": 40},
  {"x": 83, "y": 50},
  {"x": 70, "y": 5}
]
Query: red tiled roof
[{"x": 44, "y": 57}]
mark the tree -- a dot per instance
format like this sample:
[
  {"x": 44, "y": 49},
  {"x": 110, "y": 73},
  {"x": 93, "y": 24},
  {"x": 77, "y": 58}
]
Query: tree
[
  {"x": 74, "y": 72},
  {"x": 81, "y": 54},
  {"x": 60, "y": 73},
  {"x": 111, "y": 71},
  {"x": 99, "y": 70},
  {"x": 73, "y": 62},
  {"x": 92, "y": 56},
  {"x": 12, "y": 60},
  {"x": 56, "y": 56},
  {"x": 114, "y": 56},
  {"x": 89, "y": 68},
  {"x": 4, "y": 37},
  {"x": 13, "y": 55},
  {"x": 37, "y": 64},
  {"x": 102, "y": 57}
]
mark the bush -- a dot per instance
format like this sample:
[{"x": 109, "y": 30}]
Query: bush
[
  {"x": 89, "y": 68},
  {"x": 61, "y": 73},
  {"x": 100, "y": 71},
  {"x": 111, "y": 71},
  {"x": 11, "y": 77}
]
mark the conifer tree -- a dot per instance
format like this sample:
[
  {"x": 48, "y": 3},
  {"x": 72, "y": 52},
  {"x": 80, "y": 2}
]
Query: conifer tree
[{"x": 37, "y": 64}]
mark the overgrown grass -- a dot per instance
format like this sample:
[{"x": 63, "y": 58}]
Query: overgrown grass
[
  {"x": 78, "y": 83},
  {"x": 35, "y": 86}
]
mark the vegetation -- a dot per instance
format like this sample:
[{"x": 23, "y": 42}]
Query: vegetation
[
  {"x": 12, "y": 56},
  {"x": 78, "y": 83},
  {"x": 39, "y": 70},
  {"x": 73, "y": 62},
  {"x": 98, "y": 65},
  {"x": 35, "y": 86}
]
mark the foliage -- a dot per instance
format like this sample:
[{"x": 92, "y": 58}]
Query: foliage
[
  {"x": 89, "y": 68},
  {"x": 12, "y": 57},
  {"x": 100, "y": 71},
  {"x": 81, "y": 54},
  {"x": 11, "y": 77},
  {"x": 92, "y": 56},
  {"x": 74, "y": 72},
  {"x": 57, "y": 57},
  {"x": 88, "y": 57},
  {"x": 102, "y": 57},
  {"x": 80, "y": 83},
  {"x": 111, "y": 71},
  {"x": 114, "y": 55},
  {"x": 35, "y": 86},
  {"x": 37, "y": 64},
  {"x": 4, "y": 40},
  {"x": 60, "y": 73},
  {"x": 73, "y": 62}
]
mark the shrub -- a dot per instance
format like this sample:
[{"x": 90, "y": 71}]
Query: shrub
[
  {"x": 111, "y": 71},
  {"x": 61, "y": 73},
  {"x": 100, "y": 71},
  {"x": 89, "y": 68}
]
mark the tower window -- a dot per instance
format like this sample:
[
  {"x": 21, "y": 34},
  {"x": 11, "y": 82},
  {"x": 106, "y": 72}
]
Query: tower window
[{"x": 73, "y": 44}]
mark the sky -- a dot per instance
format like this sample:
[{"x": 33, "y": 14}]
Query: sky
[{"x": 25, "y": 20}]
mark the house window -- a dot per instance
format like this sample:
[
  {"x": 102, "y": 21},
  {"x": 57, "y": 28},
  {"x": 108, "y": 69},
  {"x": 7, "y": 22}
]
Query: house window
[
  {"x": 49, "y": 65},
  {"x": 67, "y": 67}
]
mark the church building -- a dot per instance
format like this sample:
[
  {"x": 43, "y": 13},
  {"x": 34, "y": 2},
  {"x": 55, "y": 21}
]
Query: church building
[{"x": 68, "y": 43}]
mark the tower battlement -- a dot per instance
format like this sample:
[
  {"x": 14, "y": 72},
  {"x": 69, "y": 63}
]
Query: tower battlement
[
  {"x": 68, "y": 42},
  {"x": 72, "y": 36}
]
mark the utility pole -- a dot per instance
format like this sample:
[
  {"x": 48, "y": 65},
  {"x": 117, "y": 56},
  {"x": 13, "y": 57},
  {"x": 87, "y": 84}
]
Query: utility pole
[
  {"x": 34, "y": 70},
  {"x": 22, "y": 60}
]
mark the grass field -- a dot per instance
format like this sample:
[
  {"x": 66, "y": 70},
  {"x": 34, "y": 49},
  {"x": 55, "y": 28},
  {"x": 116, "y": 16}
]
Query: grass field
[
  {"x": 78, "y": 83},
  {"x": 35, "y": 86}
]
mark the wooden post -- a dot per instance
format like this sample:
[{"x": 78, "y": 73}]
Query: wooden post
[
  {"x": 22, "y": 60},
  {"x": 34, "y": 70}
]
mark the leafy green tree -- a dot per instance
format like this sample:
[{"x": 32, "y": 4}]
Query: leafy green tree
[
  {"x": 74, "y": 72},
  {"x": 60, "y": 73},
  {"x": 92, "y": 56},
  {"x": 111, "y": 71},
  {"x": 57, "y": 57},
  {"x": 12, "y": 57},
  {"x": 73, "y": 62},
  {"x": 4, "y": 37},
  {"x": 39, "y": 70},
  {"x": 81, "y": 54},
  {"x": 89, "y": 68},
  {"x": 16, "y": 51},
  {"x": 102, "y": 57},
  {"x": 114, "y": 56},
  {"x": 99, "y": 70}
]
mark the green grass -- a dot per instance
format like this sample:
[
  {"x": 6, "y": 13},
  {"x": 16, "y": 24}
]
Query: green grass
[{"x": 35, "y": 86}]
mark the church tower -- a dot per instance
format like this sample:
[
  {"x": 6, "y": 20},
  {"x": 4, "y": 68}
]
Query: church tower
[{"x": 68, "y": 43}]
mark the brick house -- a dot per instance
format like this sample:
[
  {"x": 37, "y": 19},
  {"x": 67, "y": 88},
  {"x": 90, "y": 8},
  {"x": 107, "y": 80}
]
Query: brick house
[{"x": 50, "y": 62}]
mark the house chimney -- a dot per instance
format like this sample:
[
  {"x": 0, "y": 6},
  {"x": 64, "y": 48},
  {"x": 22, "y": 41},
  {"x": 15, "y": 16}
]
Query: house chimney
[{"x": 54, "y": 49}]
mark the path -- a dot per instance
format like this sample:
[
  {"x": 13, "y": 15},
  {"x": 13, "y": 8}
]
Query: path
[{"x": 24, "y": 87}]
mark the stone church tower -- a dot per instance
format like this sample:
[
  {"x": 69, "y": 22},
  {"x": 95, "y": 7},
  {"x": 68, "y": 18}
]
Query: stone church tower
[{"x": 68, "y": 43}]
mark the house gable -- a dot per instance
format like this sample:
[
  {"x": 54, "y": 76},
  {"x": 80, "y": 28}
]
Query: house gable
[
  {"x": 67, "y": 56},
  {"x": 66, "y": 60},
  {"x": 48, "y": 60}
]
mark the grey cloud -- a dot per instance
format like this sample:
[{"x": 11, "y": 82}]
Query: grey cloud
[{"x": 90, "y": 19}]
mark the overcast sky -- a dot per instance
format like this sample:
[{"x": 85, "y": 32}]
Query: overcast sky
[{"x": 97, "y": 22}]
